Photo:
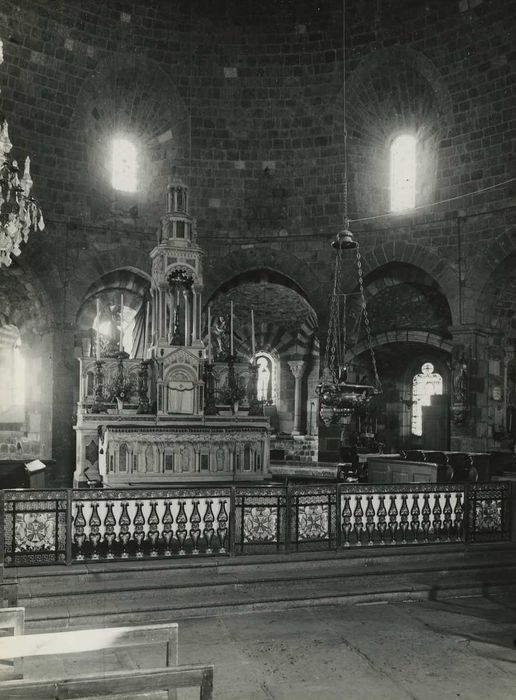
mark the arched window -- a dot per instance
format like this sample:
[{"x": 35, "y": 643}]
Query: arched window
[
  {"x": 425, "y": 384},
  {"x": 403, "y": 172},
  {"x": 124, "y": 165}
]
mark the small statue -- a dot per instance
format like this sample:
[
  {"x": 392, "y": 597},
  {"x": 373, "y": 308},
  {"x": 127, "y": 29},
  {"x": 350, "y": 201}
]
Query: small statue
[
  {"x": 460, "y": 373},
  {"x": 221, "y": 333}
]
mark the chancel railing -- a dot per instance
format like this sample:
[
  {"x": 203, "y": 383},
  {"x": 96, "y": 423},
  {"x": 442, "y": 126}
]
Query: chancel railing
[{"x": 64, "y": 526}]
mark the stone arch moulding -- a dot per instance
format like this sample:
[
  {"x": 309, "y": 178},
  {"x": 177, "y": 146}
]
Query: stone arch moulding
[
  {"x": 133, "y": 96},
  {"x": 393, "y": 91},
  {"x": 499, "y": 257},
  {"x": 286, "y": 264},
  {"x": 417, "y": 256},
  {"x": 94, "y": 267},
  {"x": 406, "y": 336}
]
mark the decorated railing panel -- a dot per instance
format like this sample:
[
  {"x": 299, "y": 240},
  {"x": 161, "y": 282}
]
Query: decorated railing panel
[
  {"x": 122, "y": 524},
  {"x": 489, "y": 512},
  {"x": 401, "y": 514},
  {"x": 35, "y": 527},
  {"x": 313, "y": 517},
  {"x": 260, "y": 519}
]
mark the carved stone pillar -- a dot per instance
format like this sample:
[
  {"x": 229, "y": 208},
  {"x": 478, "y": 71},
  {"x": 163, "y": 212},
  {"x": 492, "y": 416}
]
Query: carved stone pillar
[
  {"x": 195, "y": 306},
  {"x": 187, "y": 317},
  {"x": 297, "y": 367}
]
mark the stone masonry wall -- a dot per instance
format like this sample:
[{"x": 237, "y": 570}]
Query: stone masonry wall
[{"x": 245, "y": 101}]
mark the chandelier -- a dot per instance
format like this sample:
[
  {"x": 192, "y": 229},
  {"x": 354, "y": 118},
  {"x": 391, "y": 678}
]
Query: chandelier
[
  {"x": 338, "y": 398},
  {"x": 20, "y": 214}
]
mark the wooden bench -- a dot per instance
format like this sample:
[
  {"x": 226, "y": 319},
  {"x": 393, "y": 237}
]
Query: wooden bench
[
  {"x": 129, "y": 683},
  {"x": 79, "y": 641},
  {"x": 14, "y": 619}
]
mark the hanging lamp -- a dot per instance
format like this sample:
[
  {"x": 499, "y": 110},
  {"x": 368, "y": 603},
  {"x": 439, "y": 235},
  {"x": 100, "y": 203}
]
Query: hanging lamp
[{"x": 339, "y": 399}]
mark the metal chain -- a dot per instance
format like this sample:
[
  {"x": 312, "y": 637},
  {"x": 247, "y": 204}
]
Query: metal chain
[
  {"x": 366, "y": 317},
  {"x": 331, "y": 340}
]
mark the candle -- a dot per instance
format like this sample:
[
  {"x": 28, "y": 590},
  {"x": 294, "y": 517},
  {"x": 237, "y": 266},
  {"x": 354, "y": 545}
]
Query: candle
[
  {"x": 97, "y": 328},
  {"x": 209, "y": 333},
  {"x": 146, "y": 336},
  {"x": 253, "y": 344},
  {"x": 231, "y": 330},
  {"x": 121, "y": 346}
]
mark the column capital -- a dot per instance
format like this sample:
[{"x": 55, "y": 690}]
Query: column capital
[{"x": 297, "y": 367}]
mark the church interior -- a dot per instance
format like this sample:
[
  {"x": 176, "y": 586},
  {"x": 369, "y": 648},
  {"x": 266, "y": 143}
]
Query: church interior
[{"x": 258, "y": 347}]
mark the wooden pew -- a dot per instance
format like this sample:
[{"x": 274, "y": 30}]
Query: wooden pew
[
  {"x": 129, "y": 683},
  {"x": 9, "y": 593},
  {"x": 79, "y": 641},
  {"x": 14, "y": 618}
]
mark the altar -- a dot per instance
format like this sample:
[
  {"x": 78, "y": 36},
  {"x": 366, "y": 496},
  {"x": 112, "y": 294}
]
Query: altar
[{"x": 156, "y": 418}]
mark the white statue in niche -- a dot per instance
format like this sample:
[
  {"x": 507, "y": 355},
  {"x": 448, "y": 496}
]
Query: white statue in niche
[{"x": 264, "y": 377}]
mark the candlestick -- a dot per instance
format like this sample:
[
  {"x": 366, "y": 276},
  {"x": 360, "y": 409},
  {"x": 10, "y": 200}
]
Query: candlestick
[
  {"x": 209, "y": 333},
  {"x": 121, "y": 344},
  {"x": 97, "y": 328},
  {"x": 231, "y": 330},
  {"x": 253, "y": 343},
  {"x": 146, "y": 336}
]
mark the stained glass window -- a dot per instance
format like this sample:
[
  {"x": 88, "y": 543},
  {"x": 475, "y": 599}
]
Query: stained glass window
[{"x": 425, "y": 384}]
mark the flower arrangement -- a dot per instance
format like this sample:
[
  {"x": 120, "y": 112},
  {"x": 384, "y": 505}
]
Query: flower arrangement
[
  {"x": 121, "y": 388},
  {"x": 230, "y": 394}
]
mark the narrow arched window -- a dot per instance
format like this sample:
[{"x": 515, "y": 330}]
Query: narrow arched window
[
  {"x": 425, "y": 384},
  {"x": 403, "y": 172},
  {"x": 124, "y": 165}
]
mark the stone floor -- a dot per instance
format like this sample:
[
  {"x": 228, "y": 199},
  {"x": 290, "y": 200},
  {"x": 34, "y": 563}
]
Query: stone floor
[{"x": 459, "y": 648}]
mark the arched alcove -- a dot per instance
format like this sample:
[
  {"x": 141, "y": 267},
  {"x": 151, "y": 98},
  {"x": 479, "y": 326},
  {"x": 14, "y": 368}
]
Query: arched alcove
[
  {"x": 104, "y": 298},
  {"x": 285, "y": 329}
]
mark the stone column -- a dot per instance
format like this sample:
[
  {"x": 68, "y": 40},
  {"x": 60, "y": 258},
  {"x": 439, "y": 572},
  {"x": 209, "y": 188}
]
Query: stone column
[
  {"x": 297, "y": 367},
  {"x": 187, "y": 317},
  {"x": 195, "y": 323}
]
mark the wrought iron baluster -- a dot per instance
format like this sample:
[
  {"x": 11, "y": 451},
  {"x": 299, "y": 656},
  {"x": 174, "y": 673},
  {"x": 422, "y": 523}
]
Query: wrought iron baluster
[
  {"x": 79, "y": 523},
  {"x": 94, "y": 530},
  {"x": 358, "y": 514},
  {"x": 109, "y": 530},
  {"x": 125, "y": 535},
  {"x": 458, "y": 513},
  {"x": 167, "y": 522},
  {"x": 139, "y": 532},
  {"x": 436, "y": 512},
  {"x": 404, "y": 516},
  {"x": 222, "y": 526},
  {"x": 181, "y": 531},
  {"x": 346, "y": 520},
  {"x": 415, "y": 517},
  {"x": 393, "y": 519},
  {"x": 447, "y": 515},
  {"x": 153, "y": 522},
  {"x": 370, "y": 520},
  {"x": 425, "y": 512},
  {"x": 382, "y": 518},
  {"x": 208, "y": 526},
  {"x": 195, "y": 529}
]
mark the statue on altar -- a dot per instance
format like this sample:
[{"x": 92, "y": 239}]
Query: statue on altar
[{"x": 221, "y": 334}]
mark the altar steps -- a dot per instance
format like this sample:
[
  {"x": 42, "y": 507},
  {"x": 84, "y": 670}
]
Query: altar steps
[{"x": 117, "y": 593}]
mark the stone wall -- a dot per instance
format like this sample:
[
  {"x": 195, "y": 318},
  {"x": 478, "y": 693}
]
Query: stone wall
[{"x": 246, "y": 104}]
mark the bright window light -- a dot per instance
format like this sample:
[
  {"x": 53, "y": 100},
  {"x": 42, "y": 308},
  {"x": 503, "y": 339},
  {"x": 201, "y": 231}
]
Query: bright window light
[
  {"x": 425, "y": 384},
  {"x": 403, "y": 172},
  {"x": 124, "y": 165}
]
